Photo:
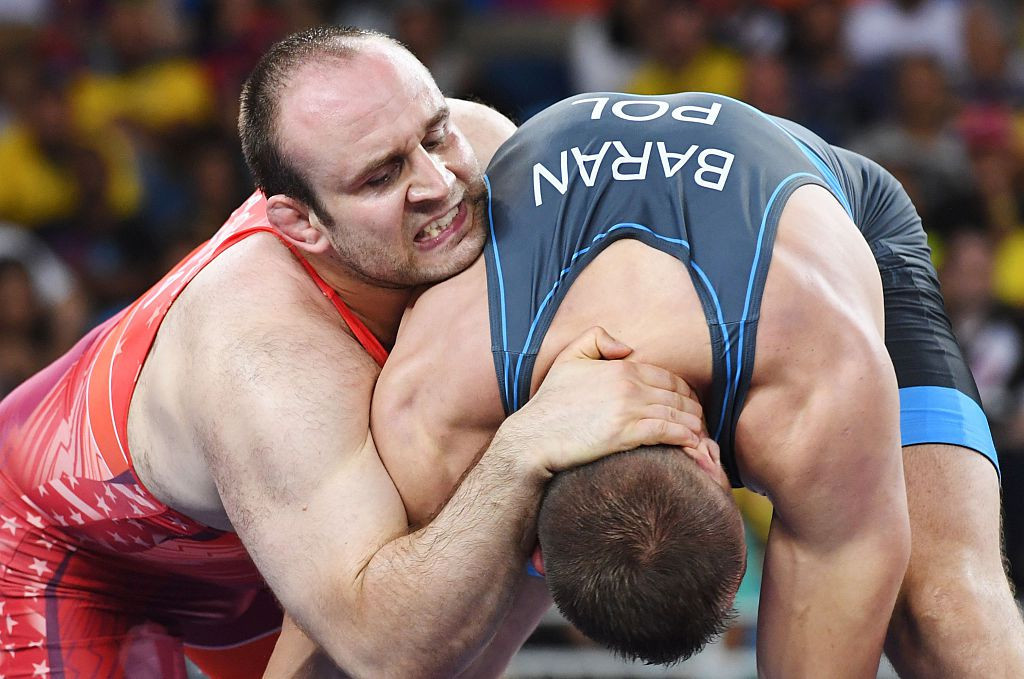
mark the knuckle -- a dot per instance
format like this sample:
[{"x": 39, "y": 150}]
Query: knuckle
[
  {"x": 620, "y": 369},
  {"x": 658, "y": 428}
]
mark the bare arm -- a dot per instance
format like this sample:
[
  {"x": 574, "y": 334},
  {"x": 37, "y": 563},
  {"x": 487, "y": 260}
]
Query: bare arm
[
  {"x": 839, "y": 542},
  {"x": 531, "y": 602},
  {"x": 284, "y": 423}
]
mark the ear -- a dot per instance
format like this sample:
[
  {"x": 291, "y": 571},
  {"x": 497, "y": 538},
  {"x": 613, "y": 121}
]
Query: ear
[
  {"x": 537, "y": 561},
  {"x": 297, "y": 223}
]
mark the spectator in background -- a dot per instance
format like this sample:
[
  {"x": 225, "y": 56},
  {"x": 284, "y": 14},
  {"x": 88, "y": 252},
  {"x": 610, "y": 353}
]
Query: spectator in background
[
  {"x": 139, "y": 74},
  {"x": 141, "y": 80},
  {"x": 824, "y": 87},
  {"x": 216, "y": 186},
  {"x": 990, "y": 80},
  {"x": 751, "y": 27},
  {"x": 428, "y": 28},
  {"x": 59, "y": 294},
  {"x": 606, "y": 49},
  {"x": 994, "y": 147},
  {"x": 881, "y": 31},
  {"x": 24, "y": 337},
  {"x": 919, "y": 143},
  {"x": 989, "y": 331},
  {"x": 114, "y": 257},
  {"x": 768, "y": 86},
  {"x": 38, "y": 150},
  {"x": 231, "y": 36},
  {"x": 682, "y": 55}
]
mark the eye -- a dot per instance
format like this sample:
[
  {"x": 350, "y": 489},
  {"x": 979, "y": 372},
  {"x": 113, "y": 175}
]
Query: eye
[
  {"x": 436, "y": 139},
  {"x": 385, "y": 176}
]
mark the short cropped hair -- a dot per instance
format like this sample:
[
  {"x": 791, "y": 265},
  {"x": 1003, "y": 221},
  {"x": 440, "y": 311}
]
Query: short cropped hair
[
  {"x": 643, "y": 552},
  {"x": 272, "y": 171}
]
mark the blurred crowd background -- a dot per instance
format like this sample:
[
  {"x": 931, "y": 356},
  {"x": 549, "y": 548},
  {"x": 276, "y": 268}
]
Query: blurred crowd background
[{"x": 119, "y": 151}]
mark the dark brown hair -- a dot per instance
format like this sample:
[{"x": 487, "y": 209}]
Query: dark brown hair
[{"x": 643, "y": 552}]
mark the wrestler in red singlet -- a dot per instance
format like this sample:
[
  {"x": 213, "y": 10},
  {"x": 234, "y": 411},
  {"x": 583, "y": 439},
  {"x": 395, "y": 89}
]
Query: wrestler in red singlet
[{"x": 97, "y": 577}]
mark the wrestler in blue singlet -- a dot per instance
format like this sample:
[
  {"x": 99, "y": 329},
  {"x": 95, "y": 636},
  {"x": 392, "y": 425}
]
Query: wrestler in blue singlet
[{"x": 704, "y": 178}]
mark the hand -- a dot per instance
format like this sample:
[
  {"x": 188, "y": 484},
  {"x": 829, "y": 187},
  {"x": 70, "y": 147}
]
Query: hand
[{"x": 587, "y": 407}]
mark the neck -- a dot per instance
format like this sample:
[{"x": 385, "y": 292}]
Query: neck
[{"x": 379, "y": 308}]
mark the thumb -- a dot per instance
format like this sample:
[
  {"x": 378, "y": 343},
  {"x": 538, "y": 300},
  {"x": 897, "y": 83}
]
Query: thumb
[{"x": 595, "y": 344}]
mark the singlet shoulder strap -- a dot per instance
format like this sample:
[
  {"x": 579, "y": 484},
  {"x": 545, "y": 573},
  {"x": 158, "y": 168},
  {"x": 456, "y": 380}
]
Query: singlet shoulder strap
[{"x": 359, "y": 329}]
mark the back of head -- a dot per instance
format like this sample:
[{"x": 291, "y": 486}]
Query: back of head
[{"x": 643, "y": 552}]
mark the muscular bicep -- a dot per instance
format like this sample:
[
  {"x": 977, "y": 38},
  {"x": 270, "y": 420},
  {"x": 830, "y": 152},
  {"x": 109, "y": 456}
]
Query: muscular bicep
[
  {"x": 827, "y": 444},
  {"x": 839, "y": 540},
  {"x": 289, "y": 448}
]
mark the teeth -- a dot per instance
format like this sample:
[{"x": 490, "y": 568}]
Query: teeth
[{"x": 441, "y": 224}]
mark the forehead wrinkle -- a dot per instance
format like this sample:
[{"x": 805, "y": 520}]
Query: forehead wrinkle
[{"x": 365, "y": 111}]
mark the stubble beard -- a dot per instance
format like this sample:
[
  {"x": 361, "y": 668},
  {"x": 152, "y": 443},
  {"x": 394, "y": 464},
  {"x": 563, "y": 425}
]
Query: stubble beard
[{"x": 392, "y": 270}]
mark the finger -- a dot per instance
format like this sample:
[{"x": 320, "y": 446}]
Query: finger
[
  {"x": 608, "y": 347},
  {"x": 651, "y": 432},
  {"x": 672, "y": 399},
  {"x": 664, "y": 379},
  {"x": 595, "y": 343},
  {"x": 673, "y": 416}
]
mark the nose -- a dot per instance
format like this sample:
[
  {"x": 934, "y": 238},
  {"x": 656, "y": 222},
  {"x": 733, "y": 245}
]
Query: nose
[{"x": 431, "y": 178}]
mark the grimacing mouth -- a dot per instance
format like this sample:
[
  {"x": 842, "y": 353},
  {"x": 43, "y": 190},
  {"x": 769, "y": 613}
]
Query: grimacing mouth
[{"x": 437, "y": 225}]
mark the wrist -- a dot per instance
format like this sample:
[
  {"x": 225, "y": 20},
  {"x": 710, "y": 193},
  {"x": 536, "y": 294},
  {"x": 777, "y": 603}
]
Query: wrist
[{"x": 519, "y": 455}]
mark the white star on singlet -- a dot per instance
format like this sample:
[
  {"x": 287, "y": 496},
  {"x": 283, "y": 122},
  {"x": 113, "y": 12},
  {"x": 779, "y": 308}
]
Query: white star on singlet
[
  {"x": 39, "y": 566},
  {"x": 101, "y": 503}
]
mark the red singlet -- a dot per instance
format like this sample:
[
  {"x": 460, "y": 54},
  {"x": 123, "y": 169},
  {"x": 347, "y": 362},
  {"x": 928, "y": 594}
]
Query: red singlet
[{"x": 97, "y": 577}]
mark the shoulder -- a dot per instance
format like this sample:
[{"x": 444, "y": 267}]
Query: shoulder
[
  {"x": 485, "y": 128},
  {"x": 256, "y": 328},
  {"x": 821, "y": 362}
]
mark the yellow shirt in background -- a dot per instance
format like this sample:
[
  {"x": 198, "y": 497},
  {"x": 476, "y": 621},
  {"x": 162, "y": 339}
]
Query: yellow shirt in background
[
  {"x": 156, "y": 96},
  {"x": 711, "y": 70},
  {"x": 35, "y": 190},
  {"x": 1009, "y": 270}
]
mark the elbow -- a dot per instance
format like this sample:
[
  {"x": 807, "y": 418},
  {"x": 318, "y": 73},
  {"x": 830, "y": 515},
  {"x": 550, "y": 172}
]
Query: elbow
[
  {"x": 892, "y": 550},
  {"x": 900, "y": 545},
  {"x": 389, "y": 660}
]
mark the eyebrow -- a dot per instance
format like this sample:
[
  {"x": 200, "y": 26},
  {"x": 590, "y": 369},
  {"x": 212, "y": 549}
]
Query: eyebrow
[{"x": 442, "y": 115}]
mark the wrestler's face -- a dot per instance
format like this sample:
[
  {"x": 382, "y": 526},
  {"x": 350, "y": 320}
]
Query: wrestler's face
[{"x": 401, "y": 190}]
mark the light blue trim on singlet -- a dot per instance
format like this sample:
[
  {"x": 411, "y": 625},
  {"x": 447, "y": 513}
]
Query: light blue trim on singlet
[
  {"x": 501, "y": 284},
  {"x": 943, "y": 415},
  {"x": 826, "y": 171},
  {"x": 576, "y": 255},
  {"x": 827, "y": 174},
  {"x": 561, "y": 275},
  {"x": 726, "y": 343},
  {"x": 733, "y": 388}
]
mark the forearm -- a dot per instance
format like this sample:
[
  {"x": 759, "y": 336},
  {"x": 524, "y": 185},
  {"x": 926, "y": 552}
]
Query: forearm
[
  {"x": 530, "y": 604},
  {"x": 447, "y": 586},
  {"x": 826, "y": 614},
  {"x": 296, "y": 656}
]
